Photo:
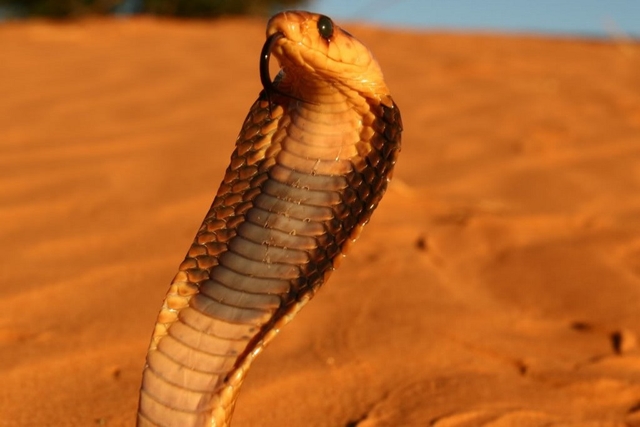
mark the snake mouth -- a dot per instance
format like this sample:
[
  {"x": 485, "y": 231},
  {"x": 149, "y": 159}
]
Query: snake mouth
[{"x": 265, "y": 56}]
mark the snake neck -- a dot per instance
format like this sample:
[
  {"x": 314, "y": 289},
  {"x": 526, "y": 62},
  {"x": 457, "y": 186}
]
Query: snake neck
[
  {"x": 326, "y": 95},
  {"x": 326, "y": 135},
  {"x": 329, "y": 127}
]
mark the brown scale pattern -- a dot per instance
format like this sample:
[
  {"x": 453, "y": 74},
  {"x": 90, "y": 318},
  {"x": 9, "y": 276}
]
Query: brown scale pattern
[
  {"x": 366, "y": 186},
  {"x": 241, "y": 184}
]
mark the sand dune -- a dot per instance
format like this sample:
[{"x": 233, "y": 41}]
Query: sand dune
[{"x": 498, "y": 283}]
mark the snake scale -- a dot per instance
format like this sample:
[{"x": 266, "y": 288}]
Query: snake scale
[{"x": 311, "y": 163}]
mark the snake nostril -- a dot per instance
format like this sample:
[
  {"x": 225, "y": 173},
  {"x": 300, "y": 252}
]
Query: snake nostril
[{"x": 325, "y": 27}]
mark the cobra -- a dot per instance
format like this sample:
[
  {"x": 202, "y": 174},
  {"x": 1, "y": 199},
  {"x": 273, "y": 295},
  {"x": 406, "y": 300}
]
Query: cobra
[{"x": 310, "y": 165}]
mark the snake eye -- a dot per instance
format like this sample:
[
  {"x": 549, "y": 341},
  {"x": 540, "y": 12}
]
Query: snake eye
[{"x": 325, "y": 27}]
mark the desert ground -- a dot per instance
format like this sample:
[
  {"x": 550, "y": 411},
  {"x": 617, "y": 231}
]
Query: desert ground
[{"x": 497, "y": 284}]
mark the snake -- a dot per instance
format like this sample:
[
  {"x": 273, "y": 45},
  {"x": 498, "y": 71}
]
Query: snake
[{"x": 311, "y": 163}]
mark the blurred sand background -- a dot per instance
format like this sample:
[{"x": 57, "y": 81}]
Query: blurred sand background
[{"x": 498, "y": 283}]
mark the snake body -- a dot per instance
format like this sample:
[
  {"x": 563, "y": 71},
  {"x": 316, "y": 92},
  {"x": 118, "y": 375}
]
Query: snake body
[{"x": 310, "y": 165}]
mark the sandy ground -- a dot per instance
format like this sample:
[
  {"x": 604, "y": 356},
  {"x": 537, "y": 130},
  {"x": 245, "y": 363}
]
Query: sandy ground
[{"x": 498, "y": 283}]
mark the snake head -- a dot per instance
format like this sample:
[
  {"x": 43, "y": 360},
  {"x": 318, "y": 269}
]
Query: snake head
[{"x": 317, "y": 56}]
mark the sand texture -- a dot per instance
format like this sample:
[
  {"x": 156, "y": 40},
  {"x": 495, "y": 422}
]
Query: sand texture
[{"x": 498, "y": 284}]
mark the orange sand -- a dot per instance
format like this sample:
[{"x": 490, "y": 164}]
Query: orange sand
[{"x": 497, "y": 284}]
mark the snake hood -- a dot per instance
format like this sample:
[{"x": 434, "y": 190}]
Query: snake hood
[
  {"x": 310, "y": 165},
  {"x": 318, "y": 57}
]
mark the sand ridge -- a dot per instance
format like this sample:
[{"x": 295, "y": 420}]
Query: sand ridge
[{"x": 498, "y": 283}]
